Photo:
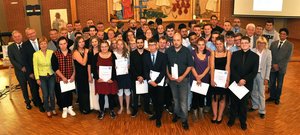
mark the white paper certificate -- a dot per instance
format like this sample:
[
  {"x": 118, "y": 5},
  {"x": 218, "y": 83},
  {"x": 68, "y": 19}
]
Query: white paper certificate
[
  {"x": 141, "y": 88},
  {"x": 105, "y": 73},
  {"x": 239, "y": 91},
  {"x": 201, "y": 89},
  {"x": 65, "y": 87},
  {"x": 220, "y": 78},
  {"x": 154, "y": 75},
  {"x": 174, "y": 71},
  {"x": 121, "y": 66}
]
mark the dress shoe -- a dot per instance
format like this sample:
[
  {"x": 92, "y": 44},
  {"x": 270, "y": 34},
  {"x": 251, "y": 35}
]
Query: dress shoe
[
  {"x": 175, "y": 118},
  {"x": 134, "y": 113},
  {"x": 158, "y": 123},
  {"x": 101, "y": 115},
  {"x": 277, "y": 102},
  {"x": 262, "y": 116},
  {"x": 148, "y": 112},
  {"x": 230, "y": 123},
  {"x": 153, "y": 117},
  {"x": 169, "y": 110},
  {"x": 112, "y": 114},
  {"x": 185, "y": 125},
  {"x": 42, "y": 109},
  {"x": 28, "y": 106},
  {"x": 244, "y": 126},
  {"x": 251, "y": 110},
  {"x": 270, "y": 100}
]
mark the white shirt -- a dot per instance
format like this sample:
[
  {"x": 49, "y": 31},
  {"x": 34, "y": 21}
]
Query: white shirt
[
  {"x": 35, "y": 44},
  {"x": 260, "y": 55},
  {"x": 282, "y": 43},
  {"x": 186, "y": 42}
]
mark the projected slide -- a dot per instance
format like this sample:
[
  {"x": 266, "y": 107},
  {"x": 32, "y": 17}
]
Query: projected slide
[{"x": 267, "y": 5}]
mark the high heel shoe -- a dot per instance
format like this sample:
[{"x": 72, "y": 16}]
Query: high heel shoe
[
  {"x": 213, "y": 121},
  {"x": 219, "y": 122}
]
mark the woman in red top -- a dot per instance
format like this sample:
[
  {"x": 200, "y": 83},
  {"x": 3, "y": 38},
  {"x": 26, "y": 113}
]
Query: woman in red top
[{"x": 105, "y": 58}]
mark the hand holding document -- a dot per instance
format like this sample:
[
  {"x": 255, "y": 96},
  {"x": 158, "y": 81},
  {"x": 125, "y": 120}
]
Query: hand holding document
[
  {"x": 105, "y": 73},
  {"x": 239, "y": 91},
  {"x": 141, "y": 88},
  {"x": 201, "y": 89},
  {"x": 121, "y": 66},
  {"x": 174, "y": 71},
  {"x": 154, "y": 75},
  {"x": 220, "y": 78},
  {"x": 65, "y": 87}
]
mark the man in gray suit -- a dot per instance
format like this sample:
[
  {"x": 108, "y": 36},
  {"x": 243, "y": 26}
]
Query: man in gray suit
[
  {"x": 250, "y": 32},
  {"x": 237, "y": 27},
  {"x": 16, "y": 59},
  {"x": 282, "y": 50},
  {"x": 52, "y": 44}
]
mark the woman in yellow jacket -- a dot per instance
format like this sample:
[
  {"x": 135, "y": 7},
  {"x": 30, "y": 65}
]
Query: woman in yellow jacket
[{"x": 45, "y": 76}]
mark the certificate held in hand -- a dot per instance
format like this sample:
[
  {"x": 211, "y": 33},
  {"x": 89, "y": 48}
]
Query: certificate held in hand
[
  {"x": 65, "y": 87},
  {"x": 174, "y": 71},
  {"x": 105, "y": 73},
  {"x": 220, "y": 78},
  {"x": 121, "y": 66},
  {"x": 154, "y": 75},
  {"x": 239, "y": 91},
  {"x": 201, "y": 89},
  {"x": 141, "y": 88}
]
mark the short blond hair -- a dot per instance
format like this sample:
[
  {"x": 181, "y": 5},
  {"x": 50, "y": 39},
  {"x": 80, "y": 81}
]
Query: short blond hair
[{"x": 262, "y": 39}]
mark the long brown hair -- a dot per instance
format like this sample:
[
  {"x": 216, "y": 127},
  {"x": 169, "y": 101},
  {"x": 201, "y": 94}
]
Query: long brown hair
[{"x": 125, "y": 49}]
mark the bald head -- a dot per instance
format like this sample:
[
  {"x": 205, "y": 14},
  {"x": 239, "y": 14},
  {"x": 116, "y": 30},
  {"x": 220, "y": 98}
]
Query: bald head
[{"x": 177, "y": 40}]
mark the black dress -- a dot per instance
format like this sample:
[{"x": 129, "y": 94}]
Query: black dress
[
  {"x": 82, "y": 86},
  {"x": 220, "y": 64}
]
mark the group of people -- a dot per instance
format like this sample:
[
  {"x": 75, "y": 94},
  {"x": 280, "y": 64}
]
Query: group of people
[{"x": 254, "y": 57}]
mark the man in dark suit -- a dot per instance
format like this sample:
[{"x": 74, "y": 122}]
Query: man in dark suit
[
  {"x": 155, "y": 61},
  {"x": 243, "y": 68},
  {"x": 29, "y": 47},
  {"x": 282, "y": 51},
  {"x": 16, "y": 59}
]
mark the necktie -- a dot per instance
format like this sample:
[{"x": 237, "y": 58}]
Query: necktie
[
  {"x": 19, "y": 47},
  {"x": 153, "y": 59},
  {"x": 280, "y": 44},
  {"x": 34, "y": 46}
]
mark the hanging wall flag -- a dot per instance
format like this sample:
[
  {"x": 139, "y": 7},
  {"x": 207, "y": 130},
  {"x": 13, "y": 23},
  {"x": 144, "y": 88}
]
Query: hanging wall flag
[{"x": 33, "y": 10}]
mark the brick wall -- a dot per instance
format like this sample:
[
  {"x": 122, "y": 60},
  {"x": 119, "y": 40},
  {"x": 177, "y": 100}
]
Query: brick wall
[{"x": 92, "y": 9}]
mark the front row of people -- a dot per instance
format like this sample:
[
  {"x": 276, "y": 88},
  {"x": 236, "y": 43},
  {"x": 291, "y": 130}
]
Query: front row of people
[{"x": 247, "y": 68}]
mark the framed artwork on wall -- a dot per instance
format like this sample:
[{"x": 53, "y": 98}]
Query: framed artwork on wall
[
  {"x": 58, "y": 18},
  {"x": 168, "y": 10}
]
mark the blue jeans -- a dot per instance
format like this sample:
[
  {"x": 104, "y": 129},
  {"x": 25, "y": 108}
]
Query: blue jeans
[
  {"x": 48, "y": 85},
  {"x": 258, "y": 94},
  {"x": 275, "y": 90},
  {"x": 180, "y": 96}
]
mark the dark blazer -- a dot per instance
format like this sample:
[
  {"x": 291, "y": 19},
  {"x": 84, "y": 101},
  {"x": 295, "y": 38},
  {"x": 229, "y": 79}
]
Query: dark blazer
[
  {"x": 136, "y": 64},
  {"x": 246, "y": 71},
  {"x": 159, "y": 66},
  {"x": 282, "y": 56},
  {"x": 16, "y": 58},
  {"x": 28, "y": 52}
]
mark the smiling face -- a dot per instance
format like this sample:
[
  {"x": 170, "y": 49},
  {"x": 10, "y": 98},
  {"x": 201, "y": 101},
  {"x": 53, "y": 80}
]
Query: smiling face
[
  {"x": 220, "y": 46},
  {"x": 152, "y": 47},
  {"x": 201, "y": 45},
  {"x": 177, "y": 40},
  {"x": 95, "y": 43},
  {"x": 245, "y": 44},
  {"x": 63, "y": 44},
  {"x": 43, "y": 45},
  {"x": 104, "y": 47}
]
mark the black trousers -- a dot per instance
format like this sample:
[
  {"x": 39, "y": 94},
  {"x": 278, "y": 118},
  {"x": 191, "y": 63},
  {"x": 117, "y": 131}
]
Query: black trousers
[
  {"x": 21, "y": 77},
  {"x": 63, "y": 99},
  {"x": 239, "y": 107},
  {"x": 58, "y": 95},
  {"x": 110, "y": 101},
  {"x": 157, "y": 96},
  {"x": 197, "y": 100},
  {"x": 145, "y": 97},
  {"x": 34, "y": 88},
  {"x": 168, "y": 96}
]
